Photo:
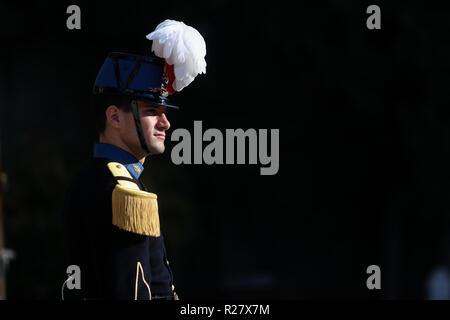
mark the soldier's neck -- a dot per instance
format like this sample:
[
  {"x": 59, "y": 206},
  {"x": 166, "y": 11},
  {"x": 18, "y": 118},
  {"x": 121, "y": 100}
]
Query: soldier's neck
[{"x": 104, "y": 138}]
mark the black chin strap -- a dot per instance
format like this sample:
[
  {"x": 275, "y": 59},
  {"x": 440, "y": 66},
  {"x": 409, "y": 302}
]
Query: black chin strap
[
  {"x": 137, "y": 122},
  {"x": 134, "y": 106}
]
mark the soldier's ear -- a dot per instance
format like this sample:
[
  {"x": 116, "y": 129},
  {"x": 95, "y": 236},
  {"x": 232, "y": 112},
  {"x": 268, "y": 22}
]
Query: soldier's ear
[{"x": 113, "y": 116}]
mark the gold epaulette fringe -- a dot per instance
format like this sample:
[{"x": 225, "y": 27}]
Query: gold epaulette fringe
[{"x": 133, "y": 210}]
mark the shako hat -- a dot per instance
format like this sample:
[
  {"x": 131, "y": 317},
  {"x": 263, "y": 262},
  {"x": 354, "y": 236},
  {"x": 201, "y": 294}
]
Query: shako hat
[
  {"x": 179, "y": 57},
  {"x": 140, "y": 77}
]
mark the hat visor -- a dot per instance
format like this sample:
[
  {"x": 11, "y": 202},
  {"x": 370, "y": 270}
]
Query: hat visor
[
  {"x": 160, "y": 103},
  {"x": 148, "y": 97}
]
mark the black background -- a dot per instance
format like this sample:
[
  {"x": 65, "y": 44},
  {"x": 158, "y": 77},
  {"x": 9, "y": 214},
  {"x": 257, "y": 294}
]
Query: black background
[{"x": 364, "y": 143}]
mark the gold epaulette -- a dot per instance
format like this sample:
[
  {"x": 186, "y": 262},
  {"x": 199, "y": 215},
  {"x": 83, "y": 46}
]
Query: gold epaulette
[{"x": 133, "y": 210}]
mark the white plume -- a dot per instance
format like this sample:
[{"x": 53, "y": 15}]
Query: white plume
[{"x": 182, "y": 46}]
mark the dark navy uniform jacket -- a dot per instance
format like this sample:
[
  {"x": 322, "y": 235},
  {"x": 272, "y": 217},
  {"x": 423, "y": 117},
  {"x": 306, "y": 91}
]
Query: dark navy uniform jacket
[{"x": 114, "y": 263}]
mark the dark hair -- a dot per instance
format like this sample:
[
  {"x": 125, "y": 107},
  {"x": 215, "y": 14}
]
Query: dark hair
[{"x": 102, "y": 101}]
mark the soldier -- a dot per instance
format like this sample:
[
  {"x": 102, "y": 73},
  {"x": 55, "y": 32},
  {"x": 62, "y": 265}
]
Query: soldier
[{"x": 110, "y": 219}]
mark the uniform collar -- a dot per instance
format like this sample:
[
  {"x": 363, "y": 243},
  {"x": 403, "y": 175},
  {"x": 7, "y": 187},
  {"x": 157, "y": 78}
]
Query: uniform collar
[{"x": 108, "y": 151}]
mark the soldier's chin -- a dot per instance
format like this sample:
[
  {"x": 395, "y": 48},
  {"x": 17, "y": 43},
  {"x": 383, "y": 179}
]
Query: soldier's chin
[{"x": 158, "y": 149}]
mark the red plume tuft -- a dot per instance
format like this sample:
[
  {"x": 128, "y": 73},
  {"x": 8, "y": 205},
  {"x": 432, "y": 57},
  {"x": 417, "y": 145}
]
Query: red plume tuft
[{"x": 171, "y": 76}]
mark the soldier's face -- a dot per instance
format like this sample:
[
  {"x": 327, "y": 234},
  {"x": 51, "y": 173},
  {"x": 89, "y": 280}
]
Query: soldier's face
[{"x": 154, "y": 125}]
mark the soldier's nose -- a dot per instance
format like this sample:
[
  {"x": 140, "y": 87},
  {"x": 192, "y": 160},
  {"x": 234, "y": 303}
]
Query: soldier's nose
[{"x": 163, "y": 122}]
